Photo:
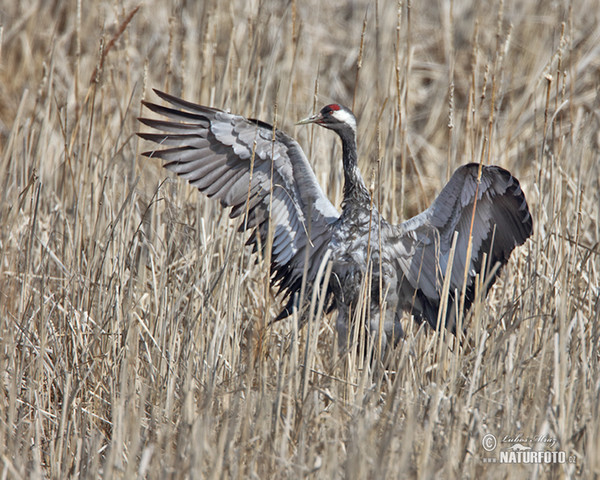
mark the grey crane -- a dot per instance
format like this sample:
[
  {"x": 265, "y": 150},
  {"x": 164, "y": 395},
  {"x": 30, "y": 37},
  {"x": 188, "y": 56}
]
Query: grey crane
[{"x": 251, "y": 167}]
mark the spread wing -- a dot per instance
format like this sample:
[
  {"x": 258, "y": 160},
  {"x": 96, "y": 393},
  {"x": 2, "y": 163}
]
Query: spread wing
[
  {"x": 422, "y": 243},
  {"x": 252, "y": 168}
]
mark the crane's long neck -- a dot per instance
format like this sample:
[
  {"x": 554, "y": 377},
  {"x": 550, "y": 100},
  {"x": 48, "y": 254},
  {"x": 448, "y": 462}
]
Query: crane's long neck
[{"x": 355, "y": 190}]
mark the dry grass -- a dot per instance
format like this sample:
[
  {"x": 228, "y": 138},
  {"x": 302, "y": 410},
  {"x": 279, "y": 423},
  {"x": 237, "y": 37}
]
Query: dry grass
[{"x": 132, "y": 338}]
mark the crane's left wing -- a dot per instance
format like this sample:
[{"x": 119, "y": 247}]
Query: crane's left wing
[
  {"x": 252, "y": 168},
  {"x": 422, "y": 244}
]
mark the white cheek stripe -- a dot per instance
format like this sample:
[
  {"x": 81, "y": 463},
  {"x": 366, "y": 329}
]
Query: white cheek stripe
[{"x": 344, "y": 116}]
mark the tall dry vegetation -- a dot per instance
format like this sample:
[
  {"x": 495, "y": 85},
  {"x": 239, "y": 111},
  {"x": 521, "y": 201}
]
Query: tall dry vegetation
[{"x": 132, "y": 320}]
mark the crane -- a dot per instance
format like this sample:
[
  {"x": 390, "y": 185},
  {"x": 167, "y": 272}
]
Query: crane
[{"x": 262, "y": 172}]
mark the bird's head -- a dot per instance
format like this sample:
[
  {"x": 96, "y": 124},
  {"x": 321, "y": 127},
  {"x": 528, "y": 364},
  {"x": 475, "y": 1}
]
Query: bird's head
[{"x": 334, "y": 117}]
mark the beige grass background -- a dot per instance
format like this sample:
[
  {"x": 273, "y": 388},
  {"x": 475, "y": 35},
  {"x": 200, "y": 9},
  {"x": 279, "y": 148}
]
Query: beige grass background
[{"x": 132, "y": 320}]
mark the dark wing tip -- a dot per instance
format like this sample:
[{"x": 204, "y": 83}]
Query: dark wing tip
[
  {"x": 149, "y": 136},
  {"x": 166, "y": 96},
  {"x": 523, "y": 211},
  {"x": 154, "y": 107},
  {"x": 184, "y": 104},
  {"x": 511, "y": 198}
]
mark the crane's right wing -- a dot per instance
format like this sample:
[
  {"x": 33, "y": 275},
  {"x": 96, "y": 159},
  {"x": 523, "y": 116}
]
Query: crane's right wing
[
  {"x": 252, "y": 168},
  {"x": 422, "y": 244}
]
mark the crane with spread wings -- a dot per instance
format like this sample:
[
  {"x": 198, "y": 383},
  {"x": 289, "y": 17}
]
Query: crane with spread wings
[{"x": 262, "y": 172}]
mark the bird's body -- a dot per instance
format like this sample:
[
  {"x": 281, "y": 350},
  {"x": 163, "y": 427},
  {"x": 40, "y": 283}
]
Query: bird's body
[
  {"x": 254, "y": 168},
  {"x": 362, "y": 270}
]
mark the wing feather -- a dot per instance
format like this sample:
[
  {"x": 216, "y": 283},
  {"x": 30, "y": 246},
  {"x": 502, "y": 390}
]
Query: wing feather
[
  {"x": 191, "y": 140},
  {"x": 214, "y": 150},
  {"x": 422, "y": 244}
]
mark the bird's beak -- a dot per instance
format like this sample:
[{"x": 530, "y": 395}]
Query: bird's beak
[{"x": 314, "y": 119}]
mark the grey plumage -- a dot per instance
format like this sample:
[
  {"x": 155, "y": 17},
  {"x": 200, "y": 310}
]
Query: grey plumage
[{"x": 214, "y": 151}]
